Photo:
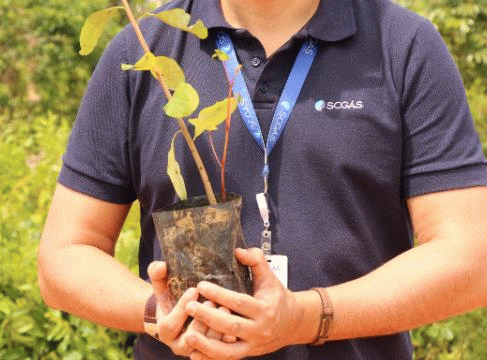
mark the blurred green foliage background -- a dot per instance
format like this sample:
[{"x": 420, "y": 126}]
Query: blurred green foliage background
[{"x": 42, "y": 79}]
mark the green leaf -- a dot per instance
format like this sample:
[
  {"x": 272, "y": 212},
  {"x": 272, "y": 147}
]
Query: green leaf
[
  {"x": 180, "y": 19},
  {"x": 169, "y": 69},
  {"x": 93, "y": 28},
  {"x": 183, "y": 103},
  {"x": 6, "y": 306},
  {"x": 220, "y": 55},
  {"x": 210, "y": 117},
  {"x": 25, "y": 287},
  {"x": 22, "y": 324},
  {"x": 73, "y": 355},
  {"x": 174, "y": 172}
]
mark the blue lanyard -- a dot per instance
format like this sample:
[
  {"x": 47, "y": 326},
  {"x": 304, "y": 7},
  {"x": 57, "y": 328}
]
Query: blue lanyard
[{"x": 287, "y": 101}]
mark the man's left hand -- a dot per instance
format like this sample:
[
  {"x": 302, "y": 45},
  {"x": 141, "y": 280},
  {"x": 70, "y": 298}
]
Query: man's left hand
[{"x": 262, "y": 323}]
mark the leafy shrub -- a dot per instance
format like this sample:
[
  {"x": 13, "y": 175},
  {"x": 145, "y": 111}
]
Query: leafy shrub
[
  {"x": 459, "y": 338},
  {"x": 28, "y": 329},
  {"x": 40, "y": 68}
]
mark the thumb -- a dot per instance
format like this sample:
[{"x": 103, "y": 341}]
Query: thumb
[
  {"x": 157, "y": 271},
  {"x": 254, "y": 258}
]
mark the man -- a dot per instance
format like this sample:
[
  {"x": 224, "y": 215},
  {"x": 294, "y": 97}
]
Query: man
[{"x": 379, "y": 144}]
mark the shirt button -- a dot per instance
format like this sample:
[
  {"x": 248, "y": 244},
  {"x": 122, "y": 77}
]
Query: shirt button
[
  {"x": 255, "y": 62},
  {"x": 264, "y": 87}
]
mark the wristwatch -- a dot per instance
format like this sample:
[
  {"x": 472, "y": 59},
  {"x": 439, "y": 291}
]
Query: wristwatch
[
  {"x": 150, "y": 318},
  {"x": 326, "y": 317}
]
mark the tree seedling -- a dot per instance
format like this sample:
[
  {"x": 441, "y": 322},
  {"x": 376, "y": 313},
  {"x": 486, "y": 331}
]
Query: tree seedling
[{"x": 182, "y": 98}]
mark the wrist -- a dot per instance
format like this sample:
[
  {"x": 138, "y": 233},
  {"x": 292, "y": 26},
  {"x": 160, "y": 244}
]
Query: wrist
[
  {"x": 308, "y": 317},
  {"x": 326, "y": 317}
]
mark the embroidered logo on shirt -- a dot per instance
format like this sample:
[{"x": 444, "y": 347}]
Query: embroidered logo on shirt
[{"x": 321, "y": 105}]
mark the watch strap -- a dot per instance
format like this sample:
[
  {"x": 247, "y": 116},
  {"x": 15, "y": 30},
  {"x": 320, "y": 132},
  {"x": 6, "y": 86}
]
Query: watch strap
[
  {"x": 326, "y": 318},
  {"x": 150, "y": 318}
]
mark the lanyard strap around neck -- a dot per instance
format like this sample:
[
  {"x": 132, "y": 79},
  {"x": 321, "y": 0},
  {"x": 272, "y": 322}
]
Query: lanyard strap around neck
[
  {"x": 289, "y": 95},
  {"x": 287, "y": 101}
]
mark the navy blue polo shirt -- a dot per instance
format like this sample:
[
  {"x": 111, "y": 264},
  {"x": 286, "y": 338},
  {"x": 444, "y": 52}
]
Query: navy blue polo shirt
[{"x": 382, "y": 116}]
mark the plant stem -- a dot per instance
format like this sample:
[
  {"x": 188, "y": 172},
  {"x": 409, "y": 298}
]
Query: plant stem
[
  {"x": 212, "y": 145},
  {"x": 182, "y": 125},
  {"x": 225, "y": 146},
  {"x": 227, "y": 133}
]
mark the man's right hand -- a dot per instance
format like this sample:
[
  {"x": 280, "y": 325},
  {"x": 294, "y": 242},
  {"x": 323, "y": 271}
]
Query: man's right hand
[{"x": 172, "y": 316}]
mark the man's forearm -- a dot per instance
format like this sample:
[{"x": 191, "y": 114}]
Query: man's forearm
[
  {"x": 89, "y": 283},
  {"x": 428, "y": 283}
]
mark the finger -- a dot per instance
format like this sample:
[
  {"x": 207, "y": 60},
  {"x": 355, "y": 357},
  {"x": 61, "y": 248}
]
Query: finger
[
  {"x": 157, "y": 271},
  {"x": 211, "y": 333},
  {"x": 181, "y": 344},
  {"x": 214, "y": 349},
  {"x": 227, "y": 337},
  {"x": 171, "y": 325},
  {"x": 242, "y": 304},
  {"x": 220, "y": 321},
  {"x": 197, "y": 326},
  {"x": 255, "y": 259},
  {"x": 196, "y": 355}
]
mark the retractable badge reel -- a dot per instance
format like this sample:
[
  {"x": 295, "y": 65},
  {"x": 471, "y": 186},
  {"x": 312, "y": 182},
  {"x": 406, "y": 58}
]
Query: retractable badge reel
[
  {"x": 265, "y": 239},
  {"x": 277, "y": 263}
]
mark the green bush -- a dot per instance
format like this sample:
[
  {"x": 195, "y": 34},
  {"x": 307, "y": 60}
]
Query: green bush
[
  {"x": 459, "y": 338},
  {"x": 40, "y": 68},
  {"x": 28, "y": 329}
]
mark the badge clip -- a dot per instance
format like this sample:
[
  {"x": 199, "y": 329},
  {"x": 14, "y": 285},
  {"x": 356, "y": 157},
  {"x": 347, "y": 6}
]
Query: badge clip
[{"x": 265, "y": 241}]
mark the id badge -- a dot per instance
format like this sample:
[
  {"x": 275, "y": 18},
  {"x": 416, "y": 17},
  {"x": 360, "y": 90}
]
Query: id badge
[{"x": 279, "y": 266}]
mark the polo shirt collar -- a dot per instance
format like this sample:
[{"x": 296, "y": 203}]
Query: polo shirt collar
[{"x": 334, "y": 20}]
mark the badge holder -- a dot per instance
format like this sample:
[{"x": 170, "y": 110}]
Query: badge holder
[{"x": 277, "y": 263}]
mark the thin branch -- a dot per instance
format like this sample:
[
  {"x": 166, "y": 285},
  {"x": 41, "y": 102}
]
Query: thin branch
[
  {"x": 182, "y": 125},
  {"x": 212, "y": 145},
  {"x": 227, "y": 132}
]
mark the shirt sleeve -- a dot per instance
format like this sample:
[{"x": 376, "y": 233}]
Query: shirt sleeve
[
  {"x": 97, "y": 160},
  {"x": 441, "y": 149}
]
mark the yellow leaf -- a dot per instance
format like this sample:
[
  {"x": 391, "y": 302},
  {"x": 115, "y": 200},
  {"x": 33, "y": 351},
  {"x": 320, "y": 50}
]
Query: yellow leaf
[
  {"x": 180, "y": 19},
  {"x": 183, "y": 103},
  {"x": 146, "y": 62},
  {"x": 174, "y": 172},
  {"x": 199, "y": 30},
  {"x": 167, "y": 67},
  {"x": 170, "y": 71},
  {"x": 93, "y": 28},
  {"x": 220, "y": 55},
  {"x": 210, "y": 117}
]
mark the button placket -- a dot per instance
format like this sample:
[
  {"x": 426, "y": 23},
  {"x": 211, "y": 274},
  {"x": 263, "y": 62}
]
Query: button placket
[{"x": 263, "y": 87}]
